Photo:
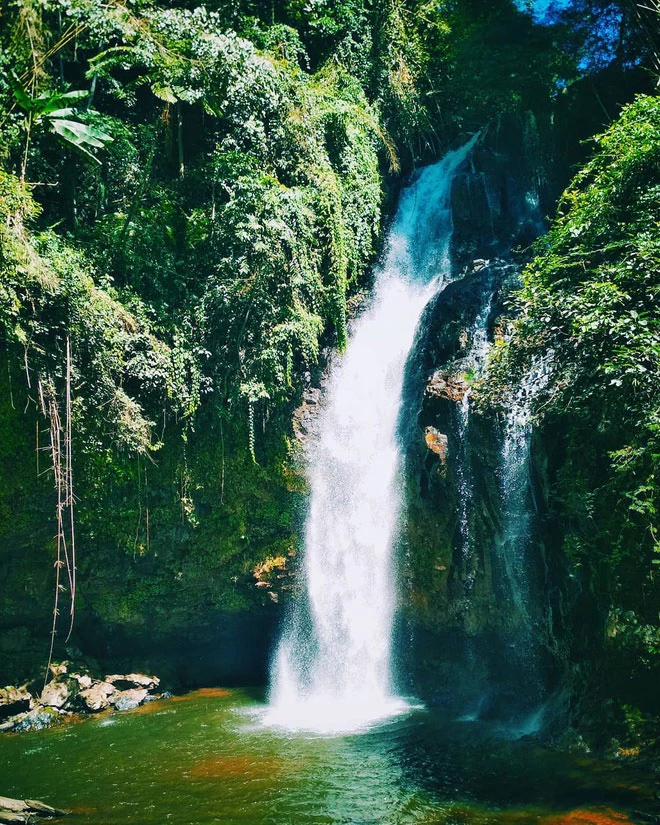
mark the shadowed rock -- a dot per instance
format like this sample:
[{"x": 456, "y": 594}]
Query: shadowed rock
[
  {"x": 98, "y": 696},
  {"x": 451, "y": 386},
  {"x": 437, "y": 443},
  {"x": 129, "y": 699},
  {"x": 14, "y": 700},
  {"x": 58, "y": 693}
]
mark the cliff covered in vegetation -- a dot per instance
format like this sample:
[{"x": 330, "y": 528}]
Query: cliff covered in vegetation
[{"x": 192, "y": 199}]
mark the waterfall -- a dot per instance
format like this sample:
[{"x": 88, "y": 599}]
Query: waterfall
[
  {"x": 515, "y": 486},
  {"x": 473, "y": 363},
  {"x": 332, "y": 671},
  {"x": 518, "y": 516}
]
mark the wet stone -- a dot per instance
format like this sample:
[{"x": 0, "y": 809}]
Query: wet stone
[
  {"x": 58, "y": 693},
  {"x": 130, "y": 699},
  {"x": 14, "y": 700},
  {"x": 436, "y": 442},
  {"x": 37, "y": 719},
  {"x": 134, "y": 680},
  {"x": 98, "y": 696}
]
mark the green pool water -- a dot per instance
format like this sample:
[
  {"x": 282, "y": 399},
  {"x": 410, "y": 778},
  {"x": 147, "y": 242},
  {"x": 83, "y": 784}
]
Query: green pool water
[{"x": 206, "y": 758}]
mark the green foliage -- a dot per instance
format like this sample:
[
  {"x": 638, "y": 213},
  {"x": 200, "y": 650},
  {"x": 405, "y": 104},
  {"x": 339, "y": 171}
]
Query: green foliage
[
  {"x": 501, "y": 60},
  {"x": 442, "y": 67},
  {"x": 47, "y": 294},
  {"x": 628, "y": 632},
  {"x": 291, "y": 213},
  {"x": 603, "y": 32},
  {"x": 200, "y": 269},
  {"x": 196, "y": 273},
  {"x": 53, "y": 109}
]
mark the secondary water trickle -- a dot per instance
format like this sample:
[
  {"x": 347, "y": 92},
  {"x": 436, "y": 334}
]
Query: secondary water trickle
[
  {"x": 332, "y": 670},
  {"x": 518, "y": 509}
]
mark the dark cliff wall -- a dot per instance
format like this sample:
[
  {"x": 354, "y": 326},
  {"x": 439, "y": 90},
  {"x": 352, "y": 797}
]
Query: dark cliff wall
[
  {"x": 494, "y": 620},
  {"x": 470, "y": 645},
  {"x": 466, "y": 650},
  {"x": 158, "y": 587}
]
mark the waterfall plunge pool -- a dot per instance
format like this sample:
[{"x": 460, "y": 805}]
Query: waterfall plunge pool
[{"x": 206, "y": 759}]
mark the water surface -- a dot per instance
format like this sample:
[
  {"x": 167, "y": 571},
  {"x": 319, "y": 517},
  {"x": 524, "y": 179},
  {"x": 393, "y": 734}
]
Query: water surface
[{"x": 206, "y": 759}]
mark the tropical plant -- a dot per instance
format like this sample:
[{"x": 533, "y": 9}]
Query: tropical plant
[{"x": 55, "y": 111}]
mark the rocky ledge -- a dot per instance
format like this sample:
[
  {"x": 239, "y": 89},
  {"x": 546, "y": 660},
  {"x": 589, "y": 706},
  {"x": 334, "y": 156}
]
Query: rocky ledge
[
  {"x": 26, "y": 810},
  {"x": 71, "y": 692}
]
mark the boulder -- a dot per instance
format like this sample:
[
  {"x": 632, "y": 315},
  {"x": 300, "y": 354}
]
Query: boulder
[
  {"x": 37, "y": 719},
  {"x": 10, "y": 695},
  {"x": 98, "y": 696},
  {"x": 44, "y": 810},
  {"x": 140, "y": 680},
  {"x": 8, "y": 804},
  {"x": 23, "y": 810},
  {"x": 9, "y": 817},
  {"x": 14, "y": 700},
  {"x": 129, "y": 699},
  {"x": 58, "y": 668},
  {"x": 452, "y": 386},
  {"x": 58, "y": 693}
]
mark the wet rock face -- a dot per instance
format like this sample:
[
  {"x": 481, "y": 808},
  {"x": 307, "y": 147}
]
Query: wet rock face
[
  {"x": 450, "y": 588},
  {"x": 451, "y": 386},
  {"x": 500, "y": 201},
  {"x": 458, "y": 612},
  {"x": 275, "y": 576},
  {"x": 305, "y": 417},
  {"x": 449, "y": 320}
]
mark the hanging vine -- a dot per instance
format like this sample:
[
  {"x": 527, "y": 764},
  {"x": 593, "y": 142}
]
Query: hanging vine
[{"x": 61, "y": 456}]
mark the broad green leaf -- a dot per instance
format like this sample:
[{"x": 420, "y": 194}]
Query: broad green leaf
[
  {"x": 61, "y": 113},
  {"x": 22, "y": 98},
  {"x": 78, "y": 147},
  {"x": 164, "y": 93},
  {"x": 75, "y": 132},
  {"x": 80, "y": 136},
  {"x": 47, "y": 103}
]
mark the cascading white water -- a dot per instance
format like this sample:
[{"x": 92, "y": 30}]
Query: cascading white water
[
  {"x": 473, "y": 362},
  {"x": 515, "y": 486},
  {"x": 332, "y": 671}
]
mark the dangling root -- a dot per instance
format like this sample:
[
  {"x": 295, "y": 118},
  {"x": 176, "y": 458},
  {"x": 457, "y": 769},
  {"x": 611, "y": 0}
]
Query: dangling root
[{"x": 60, "y": 448}]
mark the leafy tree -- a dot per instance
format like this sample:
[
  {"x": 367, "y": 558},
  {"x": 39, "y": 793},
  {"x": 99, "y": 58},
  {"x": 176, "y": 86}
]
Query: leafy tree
[{"x": 600, "y": 32}]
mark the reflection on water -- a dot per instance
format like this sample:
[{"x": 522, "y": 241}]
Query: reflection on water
[{"x": 206, "y": 758}]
